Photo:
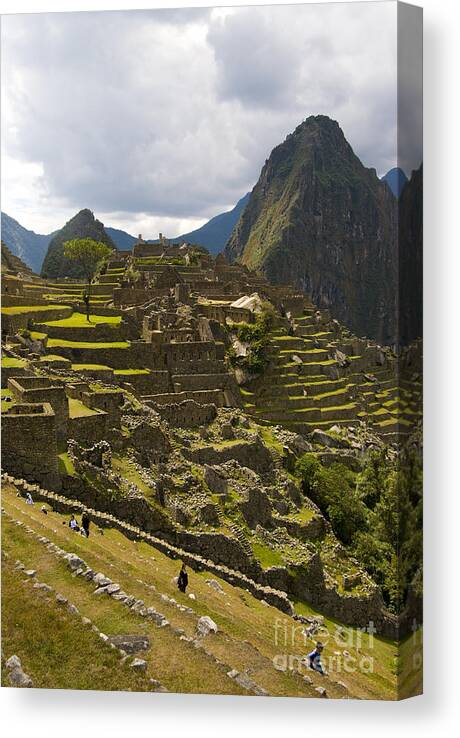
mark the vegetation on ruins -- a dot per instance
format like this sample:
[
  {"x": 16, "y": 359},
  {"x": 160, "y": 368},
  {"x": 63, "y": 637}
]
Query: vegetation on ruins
[
  {"x": 376, "y": 513},
  {"x": 256, "y": 337},
  {"x": 88, "y": 254}
]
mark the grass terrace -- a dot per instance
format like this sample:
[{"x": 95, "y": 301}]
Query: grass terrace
[
  {"x": 78, "y": 410},
  {"x": 25, "y": 309},
  {"x": 78, "y": 320},
  {"x": 62, "y": 343},
  {"x": 90, "y": 367},
  {"x": 130, "y": 372},
  {"x": 10, "y": 362}
]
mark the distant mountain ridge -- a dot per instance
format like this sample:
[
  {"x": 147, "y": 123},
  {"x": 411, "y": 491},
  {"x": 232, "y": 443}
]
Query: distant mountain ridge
[{"x": 32, "y": 247}]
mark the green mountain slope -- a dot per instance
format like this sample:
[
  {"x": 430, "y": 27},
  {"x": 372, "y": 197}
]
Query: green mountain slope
[
  {"x": 319, "y": 219},
  {"x": 82, "y": 225}
]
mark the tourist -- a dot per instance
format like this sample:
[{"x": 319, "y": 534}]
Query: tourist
[
  {"x": 85, "y": 522},
  {"x": 182, "y": 580},
  {"x": 86, "y": 299},
  {"x": 29, "y": 500},
  {"x": 44, "y": 510},
  {"x": 73, "y": 524},
  {"x": 314, "y": 658}
]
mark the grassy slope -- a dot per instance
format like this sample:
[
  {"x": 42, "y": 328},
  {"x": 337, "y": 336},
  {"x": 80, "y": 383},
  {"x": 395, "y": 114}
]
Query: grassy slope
[
  {"x": 55, "y": 648},
  {"x": 246, "y": 627}
]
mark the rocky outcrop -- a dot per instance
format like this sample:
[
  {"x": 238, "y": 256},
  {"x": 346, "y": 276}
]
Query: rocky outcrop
[
  {"x": 319, "y": 219},
  {"x": 410, "y": 259}
]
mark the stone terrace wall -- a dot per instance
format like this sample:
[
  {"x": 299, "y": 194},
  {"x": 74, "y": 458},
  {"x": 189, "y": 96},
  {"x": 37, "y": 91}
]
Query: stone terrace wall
[
  {"x": 88, "y": 429},
  {"x": 42, "y": 390},
  {"x": 14, "y": 371},
  {"x": 29, "y": 443},
  {"x": 187, "y": 414},
  {"x": 13, "y": 323},
  {"x": 134, "y": 295},
  {"x": 254, "y": 455}
]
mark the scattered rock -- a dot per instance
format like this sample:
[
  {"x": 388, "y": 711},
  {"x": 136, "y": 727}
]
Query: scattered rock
[
  {"x": 101, "y": 580},
  {"x": 14, "y": 662},
  {"x": 205, "y": 626},
  {"x": 18, "y": 678},
  {"x": 214, "y": 584},
  {"x": 139, "y": 664},
  {"x": 130, "y": 643}
]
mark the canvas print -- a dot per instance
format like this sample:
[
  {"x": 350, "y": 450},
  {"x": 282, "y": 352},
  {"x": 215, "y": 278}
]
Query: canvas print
[{"x": 211, "y": 371}]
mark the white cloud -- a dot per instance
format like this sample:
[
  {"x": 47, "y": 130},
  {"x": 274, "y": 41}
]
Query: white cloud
[{"x": 162, "y": 119}]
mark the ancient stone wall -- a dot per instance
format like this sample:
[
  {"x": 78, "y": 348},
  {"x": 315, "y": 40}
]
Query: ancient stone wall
[
  {"x": 187, "y": 414},
  {"x": 88, "y": 429},
  {"x": 254, "y": 455},
  {"x": 29, "y": 443},
  {"x": 42, "y": 390}
]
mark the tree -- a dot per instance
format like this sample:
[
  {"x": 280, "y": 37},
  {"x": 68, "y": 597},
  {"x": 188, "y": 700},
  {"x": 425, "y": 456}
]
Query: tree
[{"x": 88, "y": 254}]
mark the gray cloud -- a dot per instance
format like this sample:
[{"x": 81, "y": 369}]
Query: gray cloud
[{"x": 172, "y": 113}]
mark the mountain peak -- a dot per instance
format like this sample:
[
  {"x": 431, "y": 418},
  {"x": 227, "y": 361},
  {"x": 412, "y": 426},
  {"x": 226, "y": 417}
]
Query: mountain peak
[
  {"x": 320, "y": 219},
  {"x": 82, "y": 225}
]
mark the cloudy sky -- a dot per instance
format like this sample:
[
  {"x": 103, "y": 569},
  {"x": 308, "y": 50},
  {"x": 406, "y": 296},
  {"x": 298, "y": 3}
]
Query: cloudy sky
[{"x": 158, "y": 120}]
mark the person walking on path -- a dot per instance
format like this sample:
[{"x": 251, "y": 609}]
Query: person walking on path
[
  {"x": 85, "y": 521},
  {"x": 182, "y": 580}
]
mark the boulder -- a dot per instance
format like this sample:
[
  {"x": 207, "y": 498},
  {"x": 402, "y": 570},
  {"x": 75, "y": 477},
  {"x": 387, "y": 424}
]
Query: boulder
[
  {"x": 139, "y": 664},
  {"x": 130, "y": 643},
  {"x": 205, "y": 626},
  {"x": 14, "y": 662},
  {"x": 18, "y": 678}
]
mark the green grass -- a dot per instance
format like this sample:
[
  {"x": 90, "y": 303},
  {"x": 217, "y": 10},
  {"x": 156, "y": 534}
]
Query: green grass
[
  {"x": 128, "y": 471},
  {"x": 37, "y": 335},
  {"x": 9, "y": 362},
  {"x": 55, "y": 648},
  {"x": 62, "y": 343},
  {"x": 24, "y": 309},
  {"x": 78, "y": 410},
  {"x": 65, "y": 464},
  {"x": 92, "y": 367},
  {"x": 129, "y": 372},
  {"x": 266, "y": 555},
  {"x": 78, "y": 320},
  {"x": 7, "y": 400},
  {"x": 54, "y": 357}
]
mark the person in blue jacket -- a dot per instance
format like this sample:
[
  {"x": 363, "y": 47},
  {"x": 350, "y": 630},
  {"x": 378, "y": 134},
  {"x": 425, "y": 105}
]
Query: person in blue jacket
[{"x": 314, "y": 658}]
